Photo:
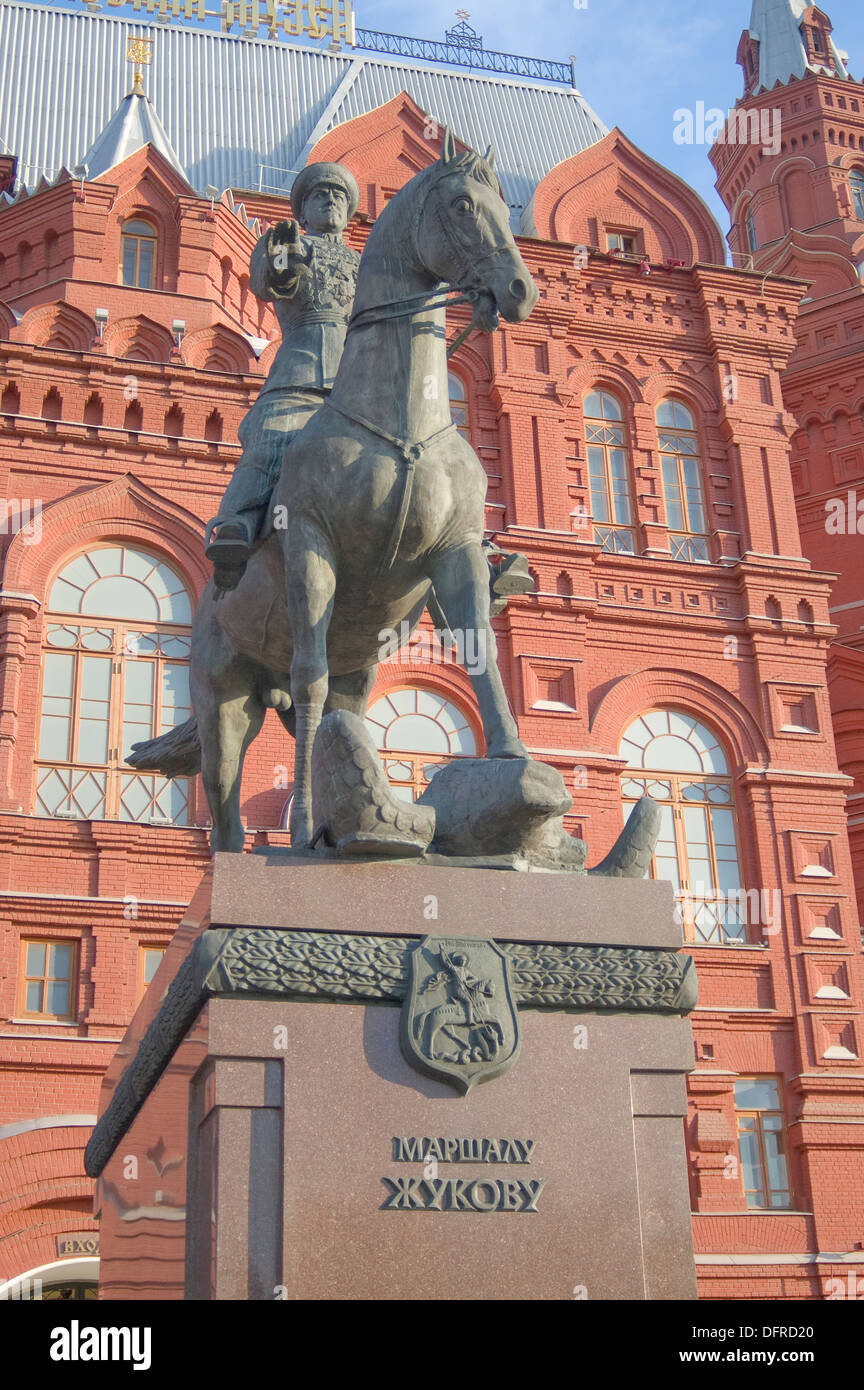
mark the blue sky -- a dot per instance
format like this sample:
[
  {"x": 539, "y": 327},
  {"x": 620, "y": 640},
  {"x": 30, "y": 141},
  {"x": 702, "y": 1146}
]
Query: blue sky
[{"x": 637, "y": 61}]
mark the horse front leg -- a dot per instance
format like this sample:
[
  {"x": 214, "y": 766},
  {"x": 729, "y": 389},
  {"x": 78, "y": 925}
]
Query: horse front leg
[
  {"x": 310, "y": 571},
  {"x": 461, "y": 582}
]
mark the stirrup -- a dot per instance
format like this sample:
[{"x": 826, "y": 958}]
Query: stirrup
[{"x": 227, "y": 549}]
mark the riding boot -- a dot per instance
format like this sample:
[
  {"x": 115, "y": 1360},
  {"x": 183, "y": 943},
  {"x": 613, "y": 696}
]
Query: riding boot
[
  {"x": 231, "y": 534},
  {"x": 228, "y": 551}
]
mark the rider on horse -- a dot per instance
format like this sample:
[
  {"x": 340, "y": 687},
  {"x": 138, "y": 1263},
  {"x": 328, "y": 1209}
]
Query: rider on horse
[{"x": 311, "y": 280}]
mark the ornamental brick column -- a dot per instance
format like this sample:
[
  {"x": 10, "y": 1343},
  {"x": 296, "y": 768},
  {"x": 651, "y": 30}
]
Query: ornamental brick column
[{"x": 17, "y": 612}]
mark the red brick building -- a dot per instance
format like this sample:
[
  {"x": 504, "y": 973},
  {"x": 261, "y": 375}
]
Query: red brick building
[{"x": 658, "y": 437}]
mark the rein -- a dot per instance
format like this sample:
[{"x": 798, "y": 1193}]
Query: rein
[
  {"x": 393, "y": 309},
  {"x": 415, "y": 304},
  {"x": 467, "y": 261}
]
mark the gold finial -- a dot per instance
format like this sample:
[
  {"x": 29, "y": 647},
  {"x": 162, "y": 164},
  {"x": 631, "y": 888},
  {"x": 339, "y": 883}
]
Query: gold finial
[
  {"x": 139, "y": 51},
  {"x": 464, "y": 15}
]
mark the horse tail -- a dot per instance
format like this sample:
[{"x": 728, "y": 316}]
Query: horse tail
[
  {"x": 630, "y": 856},
  {"x": 175, "y": 754}
]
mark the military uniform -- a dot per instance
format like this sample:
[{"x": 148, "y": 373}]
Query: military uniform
[{"x": 313, "y": 298}]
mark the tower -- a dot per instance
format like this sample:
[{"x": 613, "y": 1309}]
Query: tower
[{"x": 790, "y": 169}]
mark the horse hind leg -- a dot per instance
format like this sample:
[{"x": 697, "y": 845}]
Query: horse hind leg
[
  {"x": 350, "y": 693},
  {"x": 230, "y": 715}
]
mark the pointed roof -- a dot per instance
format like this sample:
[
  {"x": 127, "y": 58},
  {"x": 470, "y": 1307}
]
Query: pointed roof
[
  {"x": 133, "y": 125},
  {"x": 776, "y": 27},
  {"x": 200, "y": 74}
]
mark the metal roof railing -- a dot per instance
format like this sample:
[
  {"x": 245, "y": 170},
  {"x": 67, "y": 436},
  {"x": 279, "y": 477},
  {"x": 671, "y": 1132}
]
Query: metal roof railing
[{"x": 466, "y": 56}]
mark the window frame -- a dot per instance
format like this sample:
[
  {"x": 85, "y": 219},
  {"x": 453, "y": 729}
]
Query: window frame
[
  {"x": 856, "y": 191},
  {"x": 463, "y": 402},
  {"x": 417, "y": 782},
  {"x": 143, "y": 983},
  {"x": 760, "y": 1136},
  {"x": 688, "y": 902},
  {"x": 113, "y": 770},
  {"x": 619, "y": 235},
  {"x": 139, "y": 238},
  {"x": 688, "y": 536},
  {"x": 611, "y": 530},
  {"x": 73, "y": 978}
]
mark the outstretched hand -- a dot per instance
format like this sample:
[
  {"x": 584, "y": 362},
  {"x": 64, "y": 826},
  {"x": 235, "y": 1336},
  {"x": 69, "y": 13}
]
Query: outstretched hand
[{"x": 286, "y": 247}]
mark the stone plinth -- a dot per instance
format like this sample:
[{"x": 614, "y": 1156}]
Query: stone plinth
[{"x": 289, "y": 1149}]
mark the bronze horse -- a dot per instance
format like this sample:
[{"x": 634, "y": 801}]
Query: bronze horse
[{"x": 379, "y": 499}]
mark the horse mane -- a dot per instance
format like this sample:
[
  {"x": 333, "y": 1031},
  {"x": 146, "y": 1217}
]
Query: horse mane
[{"x": 471, "y": 163}]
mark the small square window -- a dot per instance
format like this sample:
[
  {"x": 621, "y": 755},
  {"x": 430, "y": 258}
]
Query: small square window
[
  {"x": 48, "y": 978},
  {"x": 150, "y": 958},
  {"x": 622, "y": 241}
]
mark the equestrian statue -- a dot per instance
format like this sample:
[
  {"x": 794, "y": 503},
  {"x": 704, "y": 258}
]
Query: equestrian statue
[{"x": 355, "y": 505}]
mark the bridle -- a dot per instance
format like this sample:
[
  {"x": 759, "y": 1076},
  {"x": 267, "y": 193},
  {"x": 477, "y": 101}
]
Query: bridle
[
  {"x": 411, "y": 451},
  {"x": 460, "y": 293}
]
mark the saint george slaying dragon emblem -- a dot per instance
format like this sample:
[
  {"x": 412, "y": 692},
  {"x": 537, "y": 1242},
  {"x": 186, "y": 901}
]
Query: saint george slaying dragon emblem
[{"x": 459, "y": 1021}]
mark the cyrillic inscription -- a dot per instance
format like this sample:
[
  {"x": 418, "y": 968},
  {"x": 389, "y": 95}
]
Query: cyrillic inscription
[
  {"x": 414, "y": 1150},
  {"x": 431, "y": 1193},
  {"x": 463, "y": 1194}
]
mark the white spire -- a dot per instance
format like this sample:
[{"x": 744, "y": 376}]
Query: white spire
[
  {"x": 776, "y": 27},
  {"x": 133, "y": 125}
]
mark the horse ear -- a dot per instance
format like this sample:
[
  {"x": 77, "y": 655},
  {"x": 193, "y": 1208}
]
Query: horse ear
[
  {"x": 489, "y": 157},
  {"x": 448, "y": 146}
]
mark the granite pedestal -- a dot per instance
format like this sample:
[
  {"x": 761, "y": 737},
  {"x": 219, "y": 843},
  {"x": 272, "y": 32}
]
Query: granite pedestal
[{"x": 263, "y": 1136}]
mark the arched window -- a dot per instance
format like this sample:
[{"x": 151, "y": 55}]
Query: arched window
[
  {"x": 682, "y": 482},
  {"x": 415, "y": 731},
  {"x": 680, "y": 764},
  {"x": 459, "y": 405},
  {"x": 798, "y": 198},
  {"x": 750, "y": 227},
  {"x": 856, "y": 185},
  {"x": 138, "y": 264},
  {"x": 52, "y": 248},
  {"x": 226, "y": 267},
  {"x": 609, "y": 472},
  {"x": 93, "y": 410},
  {"x": 115, "y": 672}
]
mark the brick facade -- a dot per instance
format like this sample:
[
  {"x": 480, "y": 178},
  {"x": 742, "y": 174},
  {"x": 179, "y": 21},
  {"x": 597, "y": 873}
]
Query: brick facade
[{"x": 130, "y": 438}]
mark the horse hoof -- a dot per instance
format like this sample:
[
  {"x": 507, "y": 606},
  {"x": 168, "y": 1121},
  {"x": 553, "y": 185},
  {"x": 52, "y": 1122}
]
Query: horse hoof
[{"x": 301, "y": 836}]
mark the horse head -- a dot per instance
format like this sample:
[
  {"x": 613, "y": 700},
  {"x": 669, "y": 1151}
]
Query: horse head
[{"x": 462, "y": 236}]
